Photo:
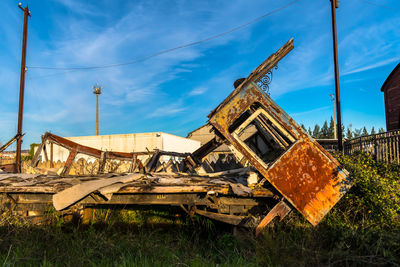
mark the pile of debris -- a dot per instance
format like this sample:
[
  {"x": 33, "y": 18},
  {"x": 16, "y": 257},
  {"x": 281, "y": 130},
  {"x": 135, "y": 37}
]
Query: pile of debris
[{"x": 278, "y": 167}]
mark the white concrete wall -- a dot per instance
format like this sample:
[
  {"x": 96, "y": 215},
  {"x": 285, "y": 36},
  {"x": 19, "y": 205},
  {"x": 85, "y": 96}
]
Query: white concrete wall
[
  {"x": 179, "y": 144},
  {"x": 121, "y": 142},
  {"x": 127, "y": 143}
]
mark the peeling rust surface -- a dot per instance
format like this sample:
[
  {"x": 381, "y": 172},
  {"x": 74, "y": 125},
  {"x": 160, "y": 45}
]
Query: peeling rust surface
[{"x": 309, "y": 180}]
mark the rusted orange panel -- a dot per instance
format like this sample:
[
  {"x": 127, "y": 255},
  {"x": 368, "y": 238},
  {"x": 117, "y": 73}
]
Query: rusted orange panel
[{"x": 309, "y": 180}]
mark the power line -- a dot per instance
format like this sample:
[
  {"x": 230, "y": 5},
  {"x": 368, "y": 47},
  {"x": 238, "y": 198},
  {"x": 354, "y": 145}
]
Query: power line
[
  {"x": 379, "y": 5},
  {"x": 54, "y": 74},
  {"x": 141, "y": 59}
]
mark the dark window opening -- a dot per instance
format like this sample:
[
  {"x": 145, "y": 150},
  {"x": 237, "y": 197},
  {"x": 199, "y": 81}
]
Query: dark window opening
[{"x": 261, "y": 134}]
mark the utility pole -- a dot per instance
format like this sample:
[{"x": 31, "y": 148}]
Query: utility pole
[
  {"x": 334, "y": 116},
  {"x": 97, "y": 92},
  {"x": 334, "y": 5},
  {"x": 27, "y": 14}
]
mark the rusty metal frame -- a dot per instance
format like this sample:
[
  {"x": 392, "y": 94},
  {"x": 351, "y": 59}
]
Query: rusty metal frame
[
  {"x": 12, "y": 140},
  {"x": 307, "y": 176},
  {"x": 75, "y": 148}
]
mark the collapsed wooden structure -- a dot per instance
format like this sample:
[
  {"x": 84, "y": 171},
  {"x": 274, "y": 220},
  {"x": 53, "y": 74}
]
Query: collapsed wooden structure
[{"x": 283, "y": 168}]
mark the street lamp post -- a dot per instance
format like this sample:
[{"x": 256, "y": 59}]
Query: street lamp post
[{"x": 97, "y": 92}]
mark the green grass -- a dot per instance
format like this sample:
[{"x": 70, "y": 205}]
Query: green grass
[
  {"x": 363, "y": 229},
  {"x": 159, "y": 242}
]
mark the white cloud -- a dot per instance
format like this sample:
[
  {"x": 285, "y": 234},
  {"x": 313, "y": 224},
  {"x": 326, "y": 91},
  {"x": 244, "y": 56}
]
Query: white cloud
[
  {"x": 198, "y": 91},
  {"x": 308, "y": 112},
  {"x": 49, "y": 117},
  {"x": 167, "y": 110},
  {"x": 370, "y": 46},
  {"x": 372, "y": 66}
]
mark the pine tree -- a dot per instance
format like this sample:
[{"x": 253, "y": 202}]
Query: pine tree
[
  {"x": 343, "y": 132},
  {"x": 316, "y": 133},
  {"x": 309, "y": 131},
  {"x": 364, "y": 132},
  {"x": 349, "y": 134},
  {"x": 381, "y": 130},
  {"x": 331, "y": 129},
  {"x": 373, "y": 130},
  {"x": 357, "y": 133},
  {"x": 303, "y": 127},
  {"x": 324, "y": 131}
]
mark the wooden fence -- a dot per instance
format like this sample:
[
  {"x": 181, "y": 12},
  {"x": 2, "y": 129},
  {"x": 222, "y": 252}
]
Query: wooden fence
[{"x": 383, "y": 146}]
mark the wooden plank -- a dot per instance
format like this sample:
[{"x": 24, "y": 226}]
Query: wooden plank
[
  {"x": 227, "y": 172},
  {"x": 221, "y": 189},
  {"x": 132, "y": 167},
  {"x": 28, "y": 189},
  {"x": 51, "y": 156},
  {"x": 46, "y": 158},
  {"x": 35, "y": 158},
  {"x": 230, "y": 219},
  {"x": 68, "y": 163},
  {"x": 281, "y": 209},
  {"x": 102, "y": 162},
  {"x": 73, "y": 194}
]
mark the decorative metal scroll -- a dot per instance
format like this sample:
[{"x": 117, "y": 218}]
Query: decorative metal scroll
[{"x": 266, "y": 80}]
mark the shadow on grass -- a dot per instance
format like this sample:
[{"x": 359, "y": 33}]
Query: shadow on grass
[{"x": 123, "y": 239}]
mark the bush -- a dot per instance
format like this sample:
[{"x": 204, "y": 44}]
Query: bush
[{"x": 374, "y": 199}]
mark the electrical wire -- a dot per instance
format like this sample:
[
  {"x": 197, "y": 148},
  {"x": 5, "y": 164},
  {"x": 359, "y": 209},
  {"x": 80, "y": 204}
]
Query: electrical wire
[{"x": 141, "y": 59}]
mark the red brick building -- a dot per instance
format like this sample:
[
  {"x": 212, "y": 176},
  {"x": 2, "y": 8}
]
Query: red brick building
[{"x": 391, "y": 90}]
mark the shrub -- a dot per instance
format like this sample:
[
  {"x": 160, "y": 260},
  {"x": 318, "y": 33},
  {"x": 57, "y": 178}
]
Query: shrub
[{"x": 374, "y": 199}]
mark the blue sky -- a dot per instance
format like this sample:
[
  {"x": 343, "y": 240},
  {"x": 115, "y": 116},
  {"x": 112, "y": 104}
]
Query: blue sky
[{"x": 174, "y": 92}]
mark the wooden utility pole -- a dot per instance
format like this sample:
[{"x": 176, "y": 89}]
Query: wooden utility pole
[
  {"x": 27, "y": 14},
  {"x": 334, "y": 5},
  {"x": 334, "y": 116},
  {"x": 97, "y": 92}
]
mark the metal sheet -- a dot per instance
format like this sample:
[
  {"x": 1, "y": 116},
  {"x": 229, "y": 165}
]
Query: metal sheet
[{"x": 309, "y": 180}]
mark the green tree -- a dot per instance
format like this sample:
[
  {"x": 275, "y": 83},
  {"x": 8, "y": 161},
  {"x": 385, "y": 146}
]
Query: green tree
[
  {"x": 343, "y": 131},
  {"x": 364, "y": 132},
  {"x": 381, "y": 130},
  {"x": 373, "y": 130},
  {"x": 303, "y": 127},
  {"x": 325, "y": 131},
  {"x": 331, "y": 129},
  {"x": 309, "y": 131},
  {"x": 316, "y": 132},
  {"x": 349, "y": 133},
  {"x": 31, "y": 152},
  {"x": 357, "y": 133}
]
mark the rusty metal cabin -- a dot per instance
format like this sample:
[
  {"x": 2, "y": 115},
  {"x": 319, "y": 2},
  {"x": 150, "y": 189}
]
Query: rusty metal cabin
[
  {"x": 391, "y": 90},
  {"x": 307, "y": 176}
]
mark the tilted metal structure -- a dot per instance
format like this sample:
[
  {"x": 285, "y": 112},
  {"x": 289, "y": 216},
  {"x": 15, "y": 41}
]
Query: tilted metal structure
[{"x": 307, "y": 177}]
